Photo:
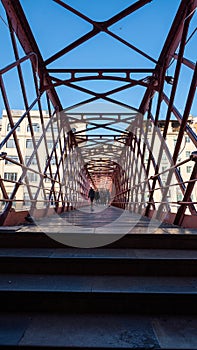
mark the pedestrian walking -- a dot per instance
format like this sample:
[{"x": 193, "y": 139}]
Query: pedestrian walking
[
  {"x": 91, "y": 195},
  {"x": 97, "y": 196}
]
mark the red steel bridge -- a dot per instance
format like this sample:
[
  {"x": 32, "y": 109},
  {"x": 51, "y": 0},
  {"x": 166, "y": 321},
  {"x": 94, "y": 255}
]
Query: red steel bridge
[{"x": 109, "y": 116}]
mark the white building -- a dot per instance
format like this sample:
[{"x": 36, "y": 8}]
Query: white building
[{"x": 34, "y": 156}]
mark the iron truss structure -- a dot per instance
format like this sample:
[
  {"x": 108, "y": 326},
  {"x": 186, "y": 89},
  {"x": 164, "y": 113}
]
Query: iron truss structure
[{"x": 103, "y": 139}]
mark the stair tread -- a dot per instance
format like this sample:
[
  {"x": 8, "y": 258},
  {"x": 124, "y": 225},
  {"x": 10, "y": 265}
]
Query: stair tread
[
  {"x": 100, "y": 284},
  {"x": 104, "y": 330},
  {"x": 98, "y": 253}
]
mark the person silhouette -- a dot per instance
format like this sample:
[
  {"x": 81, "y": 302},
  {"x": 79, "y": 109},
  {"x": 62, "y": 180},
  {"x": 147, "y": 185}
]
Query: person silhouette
[
  {"x": 91, "y": 195},
  {"x": 97, "y": 196}
]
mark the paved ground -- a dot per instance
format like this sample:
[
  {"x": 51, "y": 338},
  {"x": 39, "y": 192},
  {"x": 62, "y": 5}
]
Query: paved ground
[
  {"x": 100, "y": 330},
  {"x": 103, "y": 219}
]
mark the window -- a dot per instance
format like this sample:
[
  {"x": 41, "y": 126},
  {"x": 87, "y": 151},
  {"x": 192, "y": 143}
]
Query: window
[
  {"x": 164, "y": 157},
  {"x": 26, "y": 200},
  {"x": 11, "y": 157},
  {"x": 53, "y": 161},
  {"x": 10, "y": 176},
  {"x": 29, "y": 143},
  {"x": 9, "y": 127},
  {"x": 187, "y": 139},
  {"x": 50, "y": 143},
  {"x": 55, "y": 129},
  {"x": 188, "y": 154},
  {"x": 10, "y": 143},
  {"x": 189, "y": 169},
  {"x": 179, "y": 197},
  {"x": 33, "y": 161},
  {"x": 32, "y": 177},
  {"x": 35, "y": 127}
]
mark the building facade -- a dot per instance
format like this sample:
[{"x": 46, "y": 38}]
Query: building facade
[{"x": 37, "y": 152}]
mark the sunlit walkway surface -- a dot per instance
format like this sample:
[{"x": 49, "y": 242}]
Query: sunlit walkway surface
[
  {"x": 85, "y": 228},
  {"x": 103, "y": 219}
]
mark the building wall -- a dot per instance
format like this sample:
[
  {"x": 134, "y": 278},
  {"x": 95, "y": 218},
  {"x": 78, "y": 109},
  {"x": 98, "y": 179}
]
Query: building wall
[
  {"x": 186, "y": 148},
  {"x": 8, "y": 169},
  {"x": 11, "y": 171}
]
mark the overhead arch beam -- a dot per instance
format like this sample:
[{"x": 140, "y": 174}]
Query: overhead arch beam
[{"x": 25, "y": 36}]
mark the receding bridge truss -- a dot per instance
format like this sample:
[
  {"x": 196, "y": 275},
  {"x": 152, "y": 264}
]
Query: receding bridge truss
[{"x": 103, "y": 138}]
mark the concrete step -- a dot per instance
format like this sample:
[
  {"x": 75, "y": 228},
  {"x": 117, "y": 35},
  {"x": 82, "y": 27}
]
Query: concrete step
[
  {"x": 52, "y": 331},
  {"x": 169, "y": 238},
  {"x": 124, "y": 294},
  {"x": 125, "y": 262},
  {"x": 134, "y": 298}
]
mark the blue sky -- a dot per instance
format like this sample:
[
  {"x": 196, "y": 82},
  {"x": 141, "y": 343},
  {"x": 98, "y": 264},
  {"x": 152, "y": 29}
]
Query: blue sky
[{"x": 54, "y": 28}]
